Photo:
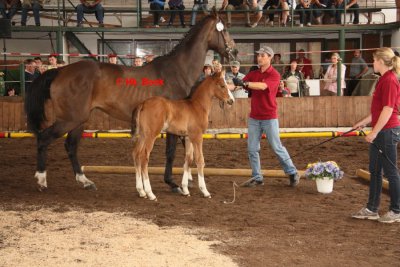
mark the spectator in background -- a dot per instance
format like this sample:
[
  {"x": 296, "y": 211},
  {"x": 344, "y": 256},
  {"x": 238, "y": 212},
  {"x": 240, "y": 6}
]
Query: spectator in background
[
  {"x": 331, "y": 75},
  {"x": 278, "y": 64},
  {"x": 112, "y": 59},
  {"x": 197, "y": 5},
  {"x": 8, "y": 8},
  {"x": 157, "y": 6},
  {"x": 30, "y": 75},
  {"x": 272, "y": 5},
  {"x": 148, "y": 58},
  {"x": 138, "y": 62},
  {"x": 11, "y": 91},
  {"x": 90, "y": 6},
  {"x": 231, "y": 5},
  {"x": 304, "y": 9},
  {"x": 255, "y": 6},
  {"x": 358, "y": 68},
  {"x": 319, "y": 7},
  {"x": 60, "y": 63},
  {"x": 40, "y": 68},
  {"x": 52, "y": 62},
  {"x": 207, "y": 71},
  {"x": 283, "y": 91},
  {"x": 307, "y": 69},
  {"x": 35, "y": 6},
  {"x": 294, "y": 78},
  {"x": 238, "y": 92},
  {"x": 217, "y": 67},
  {"x": 176, "y": 6},
  {"x": 347, "y": 5}
]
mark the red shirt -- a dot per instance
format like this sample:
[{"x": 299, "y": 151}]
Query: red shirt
[
  {"x": 263, "y": 102},
  {"x": 387, "y": 93}
]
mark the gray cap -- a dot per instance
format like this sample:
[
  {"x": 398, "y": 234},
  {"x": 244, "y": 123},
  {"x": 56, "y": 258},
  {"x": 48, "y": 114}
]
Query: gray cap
[
  {"x": 235, "y": 64},
  {"x": 267, "y": 50}
]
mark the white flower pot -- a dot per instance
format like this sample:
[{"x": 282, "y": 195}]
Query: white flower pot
[{"x": 324, "y": 185}]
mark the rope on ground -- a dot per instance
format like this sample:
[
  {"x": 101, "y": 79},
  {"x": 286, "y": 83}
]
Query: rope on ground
[{"x": 234, "y": 184}]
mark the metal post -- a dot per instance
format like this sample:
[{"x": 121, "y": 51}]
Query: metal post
[
  {"x": 339, "y": 66},
  {"x": 22, "y": 78},
  {"x": 138, "y": 13}
]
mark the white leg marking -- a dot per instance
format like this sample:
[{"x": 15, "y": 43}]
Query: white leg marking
[
  {"x": 84, "y": 180},
  {"x": 185, "y": 181},
  {"x": 42, "y": 181},
  {"x": 139, "y": 183},
  {"x": 202, "y": 186},
  {"x": 147, "y": 188}
]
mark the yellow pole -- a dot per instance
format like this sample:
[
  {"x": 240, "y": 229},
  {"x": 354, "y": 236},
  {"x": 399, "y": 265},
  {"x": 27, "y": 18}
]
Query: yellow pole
[
  {"x": 207, "y": 171},
  {"x": 367, "y": 176}
]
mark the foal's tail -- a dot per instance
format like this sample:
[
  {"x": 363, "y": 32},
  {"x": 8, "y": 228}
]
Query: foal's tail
[
  {"x": 135, "y": 120},
  {"x": 36, "y": 95}
]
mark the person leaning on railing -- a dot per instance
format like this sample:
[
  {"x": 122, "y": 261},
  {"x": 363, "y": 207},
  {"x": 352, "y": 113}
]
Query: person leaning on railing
[{"x": 35, "y": 5}]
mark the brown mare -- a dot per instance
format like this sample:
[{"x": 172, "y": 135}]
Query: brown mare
[
  {"x": 75, "y": 90},
  {"x": 187, "y": 118}
]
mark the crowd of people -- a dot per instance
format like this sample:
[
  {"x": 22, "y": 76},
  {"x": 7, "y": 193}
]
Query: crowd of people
[{"x": 310, "y": 11}]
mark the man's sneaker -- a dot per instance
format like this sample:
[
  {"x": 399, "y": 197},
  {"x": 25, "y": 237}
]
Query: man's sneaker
[
  {"x": 301, "y": 25},
  {"x": 294, "y": 179},
  {"x": 390, "y": 217},
  {"x": 308, "y": 24},
  {"x": 253, "y": 25},
  {"x": 252, "y": 182},
  {"x": 162, "y": 20},
  {"x": 365, "y": 213}
]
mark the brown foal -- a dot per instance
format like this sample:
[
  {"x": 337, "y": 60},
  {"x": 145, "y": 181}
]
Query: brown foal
[{"x": 187, "y": 118}]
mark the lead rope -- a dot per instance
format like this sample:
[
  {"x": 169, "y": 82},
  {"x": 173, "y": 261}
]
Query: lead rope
[{"x": 234, "y": 185}]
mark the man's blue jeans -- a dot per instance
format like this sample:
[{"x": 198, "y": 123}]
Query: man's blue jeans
[
  {"x": 271, "y": 128},
  {"x": 387, "y": 141},
  {"x": 194, "y": 12},
  {"x": 36, "y": 12},
  {"x": 98, "y": 10},
  {"x": 11, "y": 12}
]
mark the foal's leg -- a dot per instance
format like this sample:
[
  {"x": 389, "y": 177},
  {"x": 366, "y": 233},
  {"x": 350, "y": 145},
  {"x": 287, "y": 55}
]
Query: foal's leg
[
  {"x": 138, "y": 146},
  {"x": 170, "y": 153},
  {"x": 44, "y": 139},
  {"x": 198, "y": 154},
  {"x": 144, "y": 160},
  {"x": 187, "y": 175},
  {"x": 71, "y": 145}
]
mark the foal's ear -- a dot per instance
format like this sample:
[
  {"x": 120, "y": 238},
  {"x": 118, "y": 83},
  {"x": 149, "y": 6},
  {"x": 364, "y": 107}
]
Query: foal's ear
[{"x": 214, "y": 12}]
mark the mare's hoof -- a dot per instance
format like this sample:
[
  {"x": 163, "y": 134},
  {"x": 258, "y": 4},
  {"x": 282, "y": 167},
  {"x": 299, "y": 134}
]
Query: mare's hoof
[
  {"x": 91, "y": 187},
  {"x": 42, "y": 188},
  {"x": 177, "y": 190}
]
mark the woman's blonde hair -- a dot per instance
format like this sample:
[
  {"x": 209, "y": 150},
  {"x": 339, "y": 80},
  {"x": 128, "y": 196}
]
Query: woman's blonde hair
[
  {"x": 337, "y": 56},
  {"x": 389, "y": 58}
]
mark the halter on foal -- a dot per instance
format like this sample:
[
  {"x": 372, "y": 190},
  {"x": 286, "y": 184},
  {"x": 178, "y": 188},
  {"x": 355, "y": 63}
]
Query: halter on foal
[{"x": 181, "y": 117}]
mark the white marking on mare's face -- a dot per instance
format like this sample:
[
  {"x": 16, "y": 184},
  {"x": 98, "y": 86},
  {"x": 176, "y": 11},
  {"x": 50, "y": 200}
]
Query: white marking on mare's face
[{"x": 165, "y": 126}]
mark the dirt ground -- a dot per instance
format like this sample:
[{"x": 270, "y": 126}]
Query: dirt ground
[{"x": 274, "y": 225}]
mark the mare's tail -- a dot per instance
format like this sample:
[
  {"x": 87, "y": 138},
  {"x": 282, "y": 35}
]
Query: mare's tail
[
  {"x": 135, "y": 120},
  {"x": 36, "y": 95}
]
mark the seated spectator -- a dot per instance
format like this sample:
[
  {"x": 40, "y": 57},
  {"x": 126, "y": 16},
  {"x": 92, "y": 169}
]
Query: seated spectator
[
  {"x": 358, "y": 68},
  {"x": 112, "y": 59},
  {"x": 321, "y": 7},
  {"x": 138, "y": 62},
  {"x": 8, "y": 8},
  {"x": 255, "y": 6},
  {"x": 283, "y": 91},
  {"x": 306, "y": 63},
  {"x": 35, "y": 5},
  {"x": 304, "y": 9},
  {"x": 293, "y": 78},
  {"x": 197, "y": 5},
  {"x": 11, "y": 92},
  {"x": 238, "y": 91},
  {"x": 90, "y": 6},
  {"x": 207, "y": 71},
  {"x": 230, "y": 5},
  {"x": 156, "y": 6},
  {"x": 348, "y": 5},
  {"x": 52, "y": 62},
  {"x": 277, "y": 4},
  {"x": 278, "y": 64},
  {"x": 176, "y": 6},
  {"x": 331, "y": 75}
]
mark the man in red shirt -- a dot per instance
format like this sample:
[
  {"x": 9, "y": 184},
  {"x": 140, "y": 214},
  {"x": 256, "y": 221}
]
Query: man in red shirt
[
  {"x": 263, "y": 84},
  {"x": 307, "y": 69}
]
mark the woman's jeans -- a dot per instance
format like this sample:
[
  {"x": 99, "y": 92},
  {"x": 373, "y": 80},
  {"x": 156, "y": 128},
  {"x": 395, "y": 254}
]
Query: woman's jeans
[
  {"x": 386, "y": 141},
  {"x": 271, "y": 128}
]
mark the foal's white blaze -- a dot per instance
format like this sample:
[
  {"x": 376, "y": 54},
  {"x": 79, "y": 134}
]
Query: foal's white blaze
[
  {"x": 41, "y": 176},
  {"x": 229, "y": 91}
]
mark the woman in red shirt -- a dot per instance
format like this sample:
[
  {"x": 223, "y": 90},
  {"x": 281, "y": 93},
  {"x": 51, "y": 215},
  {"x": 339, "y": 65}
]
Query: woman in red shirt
[{"x": 385, "y": 135}]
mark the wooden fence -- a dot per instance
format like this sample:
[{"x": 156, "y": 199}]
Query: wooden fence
[{"x": 293, "y": 113}]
